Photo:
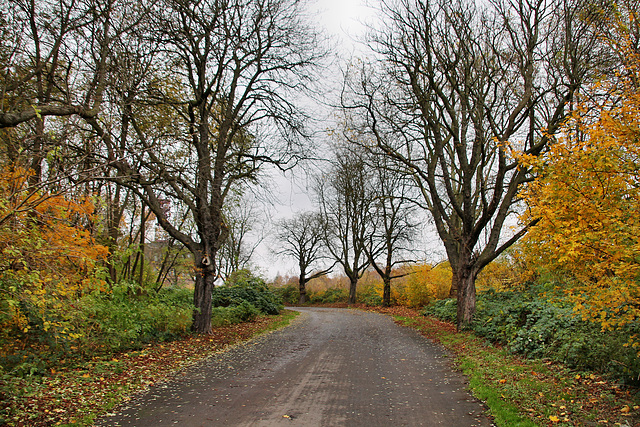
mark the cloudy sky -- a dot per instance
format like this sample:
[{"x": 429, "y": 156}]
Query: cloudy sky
[{"x": 344, "y": 21}]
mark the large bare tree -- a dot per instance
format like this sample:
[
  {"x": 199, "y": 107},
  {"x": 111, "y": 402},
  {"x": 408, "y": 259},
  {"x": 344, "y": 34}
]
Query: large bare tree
[
  {"x": 228, "y": 72},
  {"x": 460, "y": 88}
]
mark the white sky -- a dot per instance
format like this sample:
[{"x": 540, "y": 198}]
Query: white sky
[{"x": 343, "y": 21}]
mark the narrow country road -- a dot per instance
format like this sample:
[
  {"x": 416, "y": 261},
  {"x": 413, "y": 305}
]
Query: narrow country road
[{"x": 331, "y": 367}]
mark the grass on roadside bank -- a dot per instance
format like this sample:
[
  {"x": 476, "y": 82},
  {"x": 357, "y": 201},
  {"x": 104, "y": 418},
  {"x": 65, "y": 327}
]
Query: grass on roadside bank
[
  {"x": 77, "y": 396},
  {"x": 522, "y": 392}
]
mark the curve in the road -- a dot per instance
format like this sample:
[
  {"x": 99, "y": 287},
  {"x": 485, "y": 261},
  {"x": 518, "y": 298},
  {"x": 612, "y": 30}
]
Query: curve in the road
[{"x": 331, "y": 367}]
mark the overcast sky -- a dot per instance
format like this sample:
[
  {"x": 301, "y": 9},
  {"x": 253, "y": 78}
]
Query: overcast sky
[{"x": 344, "y": 21}]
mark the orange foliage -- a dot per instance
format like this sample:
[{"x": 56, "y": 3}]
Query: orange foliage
[
  {"x": 48, "y": 259},
  {"x": 588, "y": 200}
]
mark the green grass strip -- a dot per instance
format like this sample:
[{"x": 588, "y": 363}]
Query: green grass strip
[{"x": 518, "y": 392}]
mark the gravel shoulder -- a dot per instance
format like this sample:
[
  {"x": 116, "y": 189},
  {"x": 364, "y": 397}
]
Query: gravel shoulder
[{"x": 330, "y": 367}]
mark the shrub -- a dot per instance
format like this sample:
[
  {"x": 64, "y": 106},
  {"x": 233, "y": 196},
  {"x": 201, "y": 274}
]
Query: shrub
[
  {"x": 529, "y": 324},
  {"x": 244, "y": 286},
  {"x": 370, "y": 295},
  {"x": 103, "y": 322},
  {"x": 329, "y": 296},
  {"x": 289, "y": 294},
  {"x": 243, "y": 312},
  {"x": 122, "y": 320}
]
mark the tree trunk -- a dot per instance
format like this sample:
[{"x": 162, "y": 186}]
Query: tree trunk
[
  {"x": 302, "y": 282},
  {"x": 465, "y": 280},
  {"x": 143, "y": 223},
  {"x": 386, "y": 291},
  {"x": 353, "y": 283},
  {"x": 205, "y": 278},
  {"x": 113, "y": 229}
]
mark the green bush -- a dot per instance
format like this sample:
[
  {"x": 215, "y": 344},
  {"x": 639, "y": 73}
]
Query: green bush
[
  {"x": 531, "y": 325},
  {"x": 126, "y": 317},
  {"x": 120, "y": 320},
  {"x": 330, "y": 296},
  {"x": 243, "y": 312},
  {"x": 289, "y": 294},
  {"x": 369, "y": 295},
  {"x": 243, "y": 286}
]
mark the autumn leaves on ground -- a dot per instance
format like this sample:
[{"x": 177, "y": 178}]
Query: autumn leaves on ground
[
  {"x": 130, "y": 145},
  {"x": 517, "y": 391}
]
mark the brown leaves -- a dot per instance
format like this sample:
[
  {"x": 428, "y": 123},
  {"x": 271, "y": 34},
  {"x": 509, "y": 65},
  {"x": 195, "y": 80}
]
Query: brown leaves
[{"x": 77, "y": 395}]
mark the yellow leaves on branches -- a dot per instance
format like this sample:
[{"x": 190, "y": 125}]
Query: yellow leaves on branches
[
  {"x": 588, "y": 199},
  {"x": 48, "y": 257}
]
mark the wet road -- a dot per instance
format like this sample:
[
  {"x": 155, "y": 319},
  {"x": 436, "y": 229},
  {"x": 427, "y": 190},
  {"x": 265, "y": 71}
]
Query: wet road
[{"x": 331, "y": 367}]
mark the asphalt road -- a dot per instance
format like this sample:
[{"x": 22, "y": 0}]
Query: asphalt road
[{"x": 331, "y": 367}]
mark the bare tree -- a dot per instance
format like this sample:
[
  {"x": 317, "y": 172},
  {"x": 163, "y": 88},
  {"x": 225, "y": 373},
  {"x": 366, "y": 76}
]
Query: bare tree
[
  {"x": 57, "y": 61},
  {"x": 464, "y": 85},
  {"x": 302, "y": 238},
  {"x": 214, "y": 111},
  {"x": 392, "y": 221},
  {"x": 344, "y": 198},
  {"x": 244, "y": 220}
]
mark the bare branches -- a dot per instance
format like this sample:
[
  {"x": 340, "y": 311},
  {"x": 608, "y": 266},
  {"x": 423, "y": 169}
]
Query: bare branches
[{"x": 457, "y": 84}]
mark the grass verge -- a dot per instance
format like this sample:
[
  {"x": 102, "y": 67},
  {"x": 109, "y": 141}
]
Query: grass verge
[
  {"x": 77, "y": 396},
  {"x": 521, "y": 392}
]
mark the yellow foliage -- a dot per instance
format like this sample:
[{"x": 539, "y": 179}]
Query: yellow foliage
[
  {"x": 507, "y": 272},
  {"x": 48, "y": 259},
  {"x": 588, "y": 201},
  {"x": 423, "y": 285}
]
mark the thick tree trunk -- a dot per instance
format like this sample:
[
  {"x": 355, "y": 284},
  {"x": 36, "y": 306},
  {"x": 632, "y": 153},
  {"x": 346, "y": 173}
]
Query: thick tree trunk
[
  {"x": 353, "y": 283},
  {"x": 465, "y": 279},
  {"x": 204, "y": 285},
  {"x": 302, "y": 283},
  {"x": 386, "y": 291}
]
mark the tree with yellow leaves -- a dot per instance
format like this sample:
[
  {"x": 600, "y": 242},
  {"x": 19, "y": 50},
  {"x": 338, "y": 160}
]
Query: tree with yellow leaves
[
  {"x": 48, "y": 259},
  {"x": 587, "y": 196}
]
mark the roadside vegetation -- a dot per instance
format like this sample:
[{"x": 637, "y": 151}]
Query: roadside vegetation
[
  {"x": 529, "y": 392},
  {"x": 69, "y": 366}
]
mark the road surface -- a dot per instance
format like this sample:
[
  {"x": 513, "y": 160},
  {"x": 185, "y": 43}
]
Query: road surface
[{"x": 331, "y": 367}]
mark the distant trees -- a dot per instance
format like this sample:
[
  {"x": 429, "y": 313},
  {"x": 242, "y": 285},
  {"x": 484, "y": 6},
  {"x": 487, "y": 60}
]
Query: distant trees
[
  {"x": 344, "y": 199},
  {"x": 393, "y": 225},
  {"x": 459, "y": 88},
  {"x": 302, "y": 238}
]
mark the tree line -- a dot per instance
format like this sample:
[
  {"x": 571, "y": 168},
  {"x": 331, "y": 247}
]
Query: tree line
[{"x": 177, "y": 107}]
